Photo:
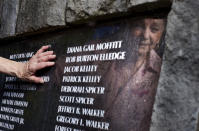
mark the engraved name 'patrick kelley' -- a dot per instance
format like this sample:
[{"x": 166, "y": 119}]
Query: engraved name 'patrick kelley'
[{"x": 82, "y": 79}]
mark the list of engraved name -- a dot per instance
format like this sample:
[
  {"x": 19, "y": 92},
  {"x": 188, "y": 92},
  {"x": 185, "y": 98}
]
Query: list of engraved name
[{"x": 81, "y": 85}]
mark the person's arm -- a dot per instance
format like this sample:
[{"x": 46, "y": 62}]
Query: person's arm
[{"x": 26, "y": 71}]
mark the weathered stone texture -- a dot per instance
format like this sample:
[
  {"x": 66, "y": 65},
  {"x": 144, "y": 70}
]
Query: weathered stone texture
[
  {"x": 177, "y": 101},
  {"x": 34, "y": 15},
  {"x": 8, "y": 17},
  {"x": 38, "y": 14},
  {"x": 83, "y": 9},
  {"x": 138, "y": 2}
]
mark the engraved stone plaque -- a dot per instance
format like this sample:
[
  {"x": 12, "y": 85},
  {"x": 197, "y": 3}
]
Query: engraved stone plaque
[{"x": 105, "y": 78}]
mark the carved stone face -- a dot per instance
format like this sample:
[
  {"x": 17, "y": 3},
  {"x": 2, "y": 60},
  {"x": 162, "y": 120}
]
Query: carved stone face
[{"x": 150, "y": 31}]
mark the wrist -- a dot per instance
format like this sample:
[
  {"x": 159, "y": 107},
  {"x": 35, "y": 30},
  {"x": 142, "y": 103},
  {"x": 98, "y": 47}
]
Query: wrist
[{"x": 21, "y": 70}]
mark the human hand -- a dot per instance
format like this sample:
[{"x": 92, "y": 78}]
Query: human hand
[{"x": 39, "y": 61}]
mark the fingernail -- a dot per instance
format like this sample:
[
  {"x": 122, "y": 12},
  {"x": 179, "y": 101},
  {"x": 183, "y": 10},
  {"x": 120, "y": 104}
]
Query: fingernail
[
  {"x": 53, "y": 63},
  {"x": 49, "y": 46},
  {"x": 42, "y": 81}
]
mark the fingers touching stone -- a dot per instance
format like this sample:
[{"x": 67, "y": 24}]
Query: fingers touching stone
[{"x": 40, "y": 60}]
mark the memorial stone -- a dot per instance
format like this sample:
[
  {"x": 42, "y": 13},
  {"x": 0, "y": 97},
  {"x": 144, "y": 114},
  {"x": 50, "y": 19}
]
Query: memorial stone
[{"x": 105, "y": 78}]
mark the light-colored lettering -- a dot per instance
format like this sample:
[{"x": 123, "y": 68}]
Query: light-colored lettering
[
  {"x": 7, "y": 126},
  {"x": 68, "y": 120},
  {"x": 109, "y": 45},
  {"x": 93, "y": 112},
  {"x": 12, "y": 110},
  {"x": 66, "y": 109},
  {"x": 89, "y": 47},
  {"x": 74, "y": 49},
  {"x": 97, "y": 124}
]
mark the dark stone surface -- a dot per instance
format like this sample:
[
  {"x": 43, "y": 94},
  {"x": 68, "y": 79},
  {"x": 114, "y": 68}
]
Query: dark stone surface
[{"x": 122, "y": 86}]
